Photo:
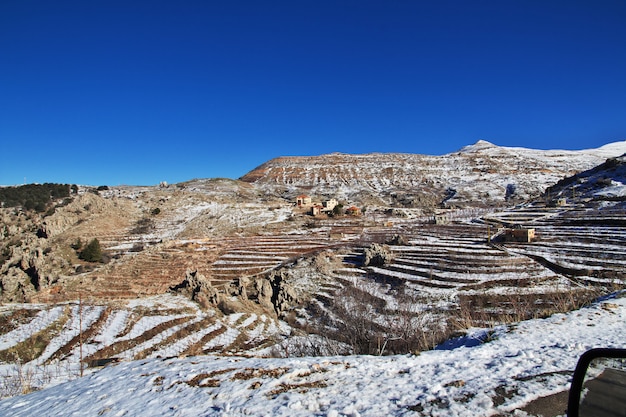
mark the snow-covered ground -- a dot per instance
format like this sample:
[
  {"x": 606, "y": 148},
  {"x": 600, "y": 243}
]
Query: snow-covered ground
[{"x": 491, "y": 372}]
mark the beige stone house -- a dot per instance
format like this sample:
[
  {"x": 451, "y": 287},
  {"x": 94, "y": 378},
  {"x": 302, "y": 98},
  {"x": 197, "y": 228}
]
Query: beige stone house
[
  {"x": 524, "y": 235},
  {"x": 303, "y": 201}
]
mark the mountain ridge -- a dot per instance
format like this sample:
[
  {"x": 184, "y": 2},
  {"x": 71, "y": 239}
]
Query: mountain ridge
[{"x": 479, "y": 173}]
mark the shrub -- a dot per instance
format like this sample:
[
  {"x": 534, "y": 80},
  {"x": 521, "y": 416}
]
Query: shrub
[
  {"x": 143, "y": 226},
  {"x": 377, "y": 255}
]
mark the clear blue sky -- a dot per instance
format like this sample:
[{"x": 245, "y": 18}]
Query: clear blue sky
[{"x": 137, "y": 92}]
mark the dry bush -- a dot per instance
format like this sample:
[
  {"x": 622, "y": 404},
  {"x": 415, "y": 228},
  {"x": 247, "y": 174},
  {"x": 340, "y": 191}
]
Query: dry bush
[
  {"x": 362, "y": 321},
  {"x": 21, "y": 379},
  {"x": 488, "y": 310},
  {"x": 143, "y": 226},
  {"x": 18, "y": 380}
]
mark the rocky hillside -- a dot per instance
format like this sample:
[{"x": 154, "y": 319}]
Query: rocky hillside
[
  {"x": 605, "y": 182},
  {"x": 480, "y": 174},
  {"x": 231, "y": 267},
  {"x": 151, "y": 236}
]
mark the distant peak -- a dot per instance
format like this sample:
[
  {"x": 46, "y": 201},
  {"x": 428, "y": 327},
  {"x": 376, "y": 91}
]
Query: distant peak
[{"x": 480, "y": 145}]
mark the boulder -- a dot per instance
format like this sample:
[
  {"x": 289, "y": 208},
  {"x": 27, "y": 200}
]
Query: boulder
[{"x": 377, "y": 255}]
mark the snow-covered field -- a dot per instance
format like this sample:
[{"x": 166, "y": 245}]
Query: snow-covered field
[{"x": 492, "y": 372}]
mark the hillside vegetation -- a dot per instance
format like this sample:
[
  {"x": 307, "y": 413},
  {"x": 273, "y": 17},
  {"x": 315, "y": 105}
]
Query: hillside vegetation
[{"x": 36, "y": 197}]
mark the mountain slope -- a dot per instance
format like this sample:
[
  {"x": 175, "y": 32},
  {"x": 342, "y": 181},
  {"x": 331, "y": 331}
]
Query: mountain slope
[
  {"x": 476, "y": 174},
  {"x": 606, "y": 181}
]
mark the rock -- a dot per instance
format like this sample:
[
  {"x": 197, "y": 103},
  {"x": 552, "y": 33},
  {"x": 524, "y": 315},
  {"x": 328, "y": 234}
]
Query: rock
[
  {"x": 377, "y": 255},
  {"x": 229, "y": 305},
  {"x": 197, "y": 288},
  {"x": 28, "y": 267},
  {"x": 397, "y": 240},
  {"x": 241, "y": 287},
  {"x": 264, "y": 292},
  {"x": 16, "y": 287},
  {"x": 286, "y": 298}
]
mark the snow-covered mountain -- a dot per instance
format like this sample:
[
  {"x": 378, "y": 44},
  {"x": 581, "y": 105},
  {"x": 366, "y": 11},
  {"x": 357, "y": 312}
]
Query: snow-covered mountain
[{"x": 476, "y": 174}]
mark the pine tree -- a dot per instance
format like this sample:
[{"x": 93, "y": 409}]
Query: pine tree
[{"x": 92, "y": 252}]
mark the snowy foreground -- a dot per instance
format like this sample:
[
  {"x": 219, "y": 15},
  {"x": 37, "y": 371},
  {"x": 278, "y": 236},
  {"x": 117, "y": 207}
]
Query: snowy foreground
[{"x": 512, "y": 366}]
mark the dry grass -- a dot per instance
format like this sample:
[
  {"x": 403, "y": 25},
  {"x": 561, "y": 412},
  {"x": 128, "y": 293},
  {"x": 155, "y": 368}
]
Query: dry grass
[
  {"x": 180, "y": 334},
  {"x": 123, "y": 345},
  {"x": 31, "y": 348},
  {"x": 250, "y": 373},
  {"x": 207, "y": 380},
  {"x": 302, "y": 388},
  {"x": 21, "y": 379},
  {"x": 13, "y": 319},
  {"x": 85, "y": 336},
  {"x": 488, "y": 310}
]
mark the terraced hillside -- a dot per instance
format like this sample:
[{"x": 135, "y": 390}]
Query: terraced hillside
[
  {"x": 163, "y": 326},
  {"x": 226, "y": 267},
  {"x": 449, "y": 277},
  {"x": 433, "y": 282}
]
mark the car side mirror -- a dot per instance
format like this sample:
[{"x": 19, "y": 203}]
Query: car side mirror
[{"x": 599, "y": 384}]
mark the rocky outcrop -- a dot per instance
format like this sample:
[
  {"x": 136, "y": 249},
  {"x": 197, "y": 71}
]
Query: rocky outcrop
[
  {"x": 278, "y": 292},
  {"x": 29, "y": 267},
  {"x": 271, "y": 294},
  {"x": 377, "y": 255},
  {"x": 282, "y": 296},
  {"x": 197, "y": 288}
]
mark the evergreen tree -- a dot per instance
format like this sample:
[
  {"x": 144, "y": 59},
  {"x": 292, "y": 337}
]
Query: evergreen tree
[{"x": 92, "y": 252}]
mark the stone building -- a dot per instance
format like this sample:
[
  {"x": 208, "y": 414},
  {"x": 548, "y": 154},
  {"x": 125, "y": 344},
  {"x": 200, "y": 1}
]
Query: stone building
[{"x": 303, "y": 201}]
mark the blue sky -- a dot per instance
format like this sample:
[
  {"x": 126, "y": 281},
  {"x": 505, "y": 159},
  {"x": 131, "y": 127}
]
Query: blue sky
[{"x": 137, "y": 92}]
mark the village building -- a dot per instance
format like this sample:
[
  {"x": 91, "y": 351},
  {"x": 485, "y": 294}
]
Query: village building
[
  {"x": 353, "y": 211},
  {"x": 521, "y": 234},
  {"x": 316, "y": 209},
  {"x": 441, "y": 219},
  {"x": 329, "y": 205},
  {"x": 303, "y": 201}
]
